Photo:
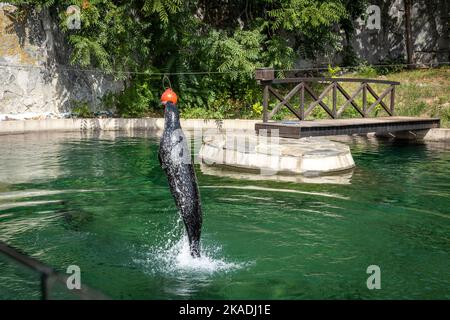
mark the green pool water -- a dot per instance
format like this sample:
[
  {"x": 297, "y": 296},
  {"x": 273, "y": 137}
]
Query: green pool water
[{"x": 101, "y": 202}]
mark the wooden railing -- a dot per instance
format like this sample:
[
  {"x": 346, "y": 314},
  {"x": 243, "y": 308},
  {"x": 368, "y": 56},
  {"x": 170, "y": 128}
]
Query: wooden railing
[{"x": 266, "y": 77}]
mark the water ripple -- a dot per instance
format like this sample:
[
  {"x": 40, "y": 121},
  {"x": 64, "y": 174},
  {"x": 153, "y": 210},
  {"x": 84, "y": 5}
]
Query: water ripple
[{"x": 256, "y": 188}]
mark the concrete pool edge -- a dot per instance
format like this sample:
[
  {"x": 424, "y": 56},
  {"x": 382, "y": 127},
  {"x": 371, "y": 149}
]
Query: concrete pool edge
[
  {"x": 124, "y": 124},
  {"x": 437, "y": 134},
  {"x": 115, "y": 124}
]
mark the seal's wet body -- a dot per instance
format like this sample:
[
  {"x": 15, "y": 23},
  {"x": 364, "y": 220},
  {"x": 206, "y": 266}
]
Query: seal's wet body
[{"x": 175, "y": 159}]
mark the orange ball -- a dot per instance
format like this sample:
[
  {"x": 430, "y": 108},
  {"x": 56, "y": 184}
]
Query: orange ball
[{"x": 169, "y": 96}]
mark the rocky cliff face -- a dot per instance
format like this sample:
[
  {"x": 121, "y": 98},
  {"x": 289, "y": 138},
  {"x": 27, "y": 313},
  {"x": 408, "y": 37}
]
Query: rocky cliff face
[
  {"x": 35, "y": 75},
  {"x": 430, "y": 32}
]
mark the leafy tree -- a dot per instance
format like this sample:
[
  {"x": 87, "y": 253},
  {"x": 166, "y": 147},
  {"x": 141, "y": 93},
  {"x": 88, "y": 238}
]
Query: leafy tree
[{"x": 210, "y": 46}]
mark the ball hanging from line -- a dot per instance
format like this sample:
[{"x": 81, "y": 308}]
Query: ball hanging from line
[{"x": 169, "y": 96}]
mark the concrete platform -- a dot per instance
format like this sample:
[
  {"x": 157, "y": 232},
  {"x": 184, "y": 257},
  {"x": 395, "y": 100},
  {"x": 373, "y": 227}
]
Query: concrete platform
[
  {"x": 331, "y": 127},
  {"x": 157, "y": 124},
  {"x": 267, "y": 156}
]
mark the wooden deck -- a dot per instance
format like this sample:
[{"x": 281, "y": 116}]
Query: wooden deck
[
  {"x": 303, "y": 99},
  {"x": 329, "y": 127}
]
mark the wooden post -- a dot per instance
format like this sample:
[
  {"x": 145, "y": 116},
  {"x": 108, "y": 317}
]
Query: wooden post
[
  {"x": 392, "y": 99},
  {"x": 266, "y": 101},
  {"x": 334, "y": 99},
  {"x": 364, "y": 100},
  {"x": 408, "y": 35},
  {"x": 264, "y": 76},
  {"x": 302, "y": 102},
  {"x": 44, "y": 288}
]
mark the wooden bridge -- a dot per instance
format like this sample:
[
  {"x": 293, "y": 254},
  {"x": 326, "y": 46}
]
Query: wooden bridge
[{"x": 336, "y": 125}]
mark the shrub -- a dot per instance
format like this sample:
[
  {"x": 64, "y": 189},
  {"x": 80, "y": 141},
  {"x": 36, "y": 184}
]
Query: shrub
[
  {"x": 388, "y": 65},
  {"x": 213, "y": 54},
  {"x": 81, "y": 109},
  {"x": 366, "y": 70}
]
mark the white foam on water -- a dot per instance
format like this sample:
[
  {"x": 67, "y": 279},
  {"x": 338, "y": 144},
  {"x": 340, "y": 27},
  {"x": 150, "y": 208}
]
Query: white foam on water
[{"x": 173, "y": 256}]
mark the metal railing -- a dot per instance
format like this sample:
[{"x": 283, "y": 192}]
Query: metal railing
[
  {"x": 48, "y": 276},
  {"x": 266, "y": 77}
]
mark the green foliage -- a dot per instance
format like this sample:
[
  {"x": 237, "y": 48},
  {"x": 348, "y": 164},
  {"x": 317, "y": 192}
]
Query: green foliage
[
  {"x": 163, "y": 8},
  {"x": 81, "y": 109},
  {"x": 333, "y": 72},
  {"x": 257, "y": 108},
  {"x": 349, "y": 57},
  {"x": 314, "y": 19},
  {"x": 415, "y": 108},
  {"x": 310, "y": 16},
  {"x": 387, "y": 66},
  {"x": 279, "y": 54},
  {"x": 367, "y": 71},
  {"x": 87, "y": 52},
  {"x": 37, "y": 4},
  {"x": 135, "y": 100},
  {"x": 224, "y": 107}
]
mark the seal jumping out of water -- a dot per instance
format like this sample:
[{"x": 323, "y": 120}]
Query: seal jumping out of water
[{"x": 175, "y": 159}]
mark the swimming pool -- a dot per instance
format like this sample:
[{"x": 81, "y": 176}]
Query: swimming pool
[{"x": 101, "y": 202}]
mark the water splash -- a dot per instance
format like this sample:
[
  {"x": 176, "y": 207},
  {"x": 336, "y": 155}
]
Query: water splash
[
  {"x": 176, "y": 257},
  {"x": 173, "y": 257}
]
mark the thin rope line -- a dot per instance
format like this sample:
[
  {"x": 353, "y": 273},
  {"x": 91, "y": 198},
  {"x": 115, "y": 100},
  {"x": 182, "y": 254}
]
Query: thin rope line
[{"x": 66, "y": 67}]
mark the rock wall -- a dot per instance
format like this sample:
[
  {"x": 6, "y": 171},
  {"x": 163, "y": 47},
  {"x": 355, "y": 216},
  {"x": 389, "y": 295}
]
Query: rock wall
[
  {"x": 430, "y": 32},
  {"x": 35, "y": 74}
]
